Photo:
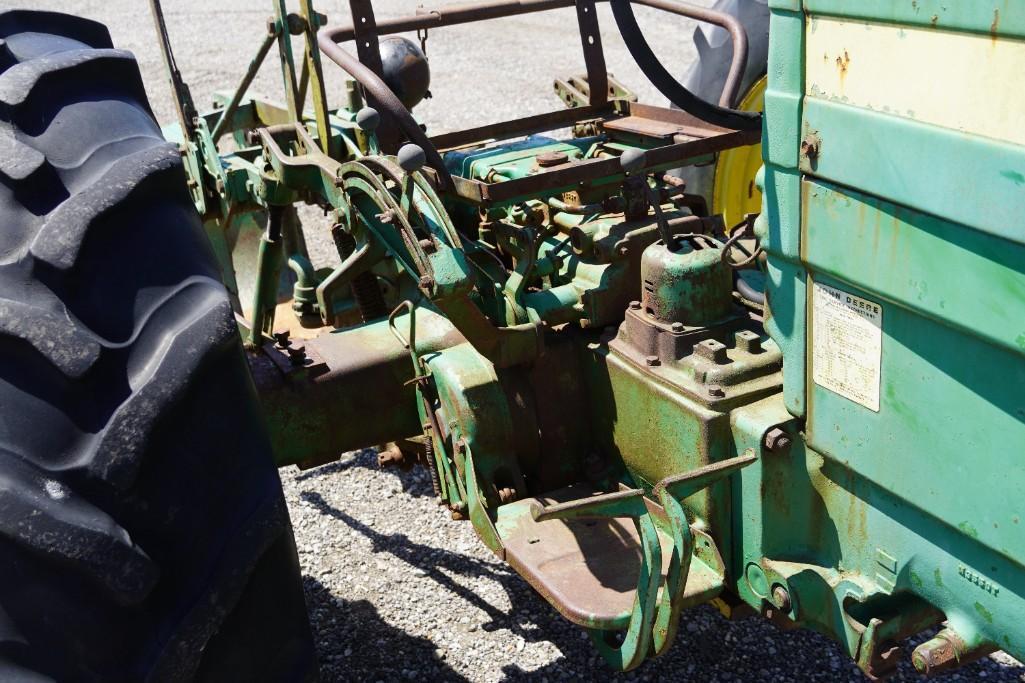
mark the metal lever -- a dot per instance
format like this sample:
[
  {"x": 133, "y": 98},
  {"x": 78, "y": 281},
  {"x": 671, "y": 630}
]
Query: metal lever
[
  {"x": 633, "y": 161},
  {"x": 368, "y": 119},
  {"x": 670, "y": 492},
  {"x": 629, "y": 503}
]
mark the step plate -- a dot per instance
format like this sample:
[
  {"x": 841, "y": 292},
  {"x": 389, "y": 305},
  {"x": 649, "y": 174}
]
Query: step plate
[{"x": 587, "y": 569}]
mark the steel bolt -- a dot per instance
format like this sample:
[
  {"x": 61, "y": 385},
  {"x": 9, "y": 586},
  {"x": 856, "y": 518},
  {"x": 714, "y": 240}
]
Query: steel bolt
[
  {"x": 677, "y": 327},
  {"x": 781, "y": 598},
  {"x": 942, "y": 653},
  {"x": 281, "y": 338},
  {"x": 296, "y": 354},
  {"x": 776, "y": 440},
  {"x": 652, "y": 360},
  {"x": 716, "y": 391},
  {"x": 635, "y": 305}
]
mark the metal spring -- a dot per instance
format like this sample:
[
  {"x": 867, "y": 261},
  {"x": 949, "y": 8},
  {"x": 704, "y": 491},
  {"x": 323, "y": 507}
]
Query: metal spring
[
  {"x": 365, "y": 290},
  {"x": 431, "y": 465}
]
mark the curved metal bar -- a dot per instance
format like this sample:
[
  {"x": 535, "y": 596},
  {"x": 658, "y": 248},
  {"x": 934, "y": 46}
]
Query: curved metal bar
[
  {"x": 637, "y": 638},
  {"x": 738, "y": 36},
  {"x": 329, "y": 37},
  {"x": 667, "y": 618},
  {"x": 387, "y": 100},
  {"x": 651, "y": 67}
]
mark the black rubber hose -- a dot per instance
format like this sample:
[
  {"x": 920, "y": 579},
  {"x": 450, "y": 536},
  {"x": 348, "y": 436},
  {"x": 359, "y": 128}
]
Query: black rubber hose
[{"x": 669, "y": 86}]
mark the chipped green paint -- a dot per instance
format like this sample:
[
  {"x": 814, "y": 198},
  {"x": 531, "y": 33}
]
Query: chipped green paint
[{"x": 968, "y": 529}]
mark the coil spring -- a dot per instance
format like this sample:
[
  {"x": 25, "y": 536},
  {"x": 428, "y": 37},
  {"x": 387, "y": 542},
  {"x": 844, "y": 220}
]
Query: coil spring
[
  {"x": 431, "y": 465},
  {"x": 365, "y": 290}
]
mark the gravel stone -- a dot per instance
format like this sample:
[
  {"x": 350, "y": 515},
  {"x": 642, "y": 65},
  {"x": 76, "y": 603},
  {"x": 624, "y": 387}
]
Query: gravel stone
[{"x": 396, "y": 589}]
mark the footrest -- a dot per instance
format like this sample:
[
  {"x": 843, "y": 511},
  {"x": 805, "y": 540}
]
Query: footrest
[{"x": 588, "y": 568}]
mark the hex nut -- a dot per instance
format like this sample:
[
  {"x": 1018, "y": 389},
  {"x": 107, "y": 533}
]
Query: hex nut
[
  {"x": 776, "y": 440},
  {"x": 781, "y": 598},
  {"x": 296, "y": 354},
  {"x": 281, "y": 338},
  {"x": 652, "y": 360},
  {"x": 716, "y": 391}
]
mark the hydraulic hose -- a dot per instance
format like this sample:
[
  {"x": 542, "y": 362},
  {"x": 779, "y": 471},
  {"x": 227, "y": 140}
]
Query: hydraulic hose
[
  {"x": 748, "y": 292},
  {"x": 669, "y": 86}
]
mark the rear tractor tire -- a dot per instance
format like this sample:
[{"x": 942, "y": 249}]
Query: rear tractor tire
[
  {"x": 728, "y": 184},
  {"x": 143, "y": 530}
]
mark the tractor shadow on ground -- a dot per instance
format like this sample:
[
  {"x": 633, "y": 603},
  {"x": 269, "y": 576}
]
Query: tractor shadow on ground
[
  {"x": 708, "y": 646},
  {"x": 353, "y": 641}
]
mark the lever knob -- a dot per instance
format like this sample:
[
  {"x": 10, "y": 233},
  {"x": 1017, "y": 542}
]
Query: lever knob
[
  {"x": 411, "y": 157},
  {"x": 368, "y": 119},
  {"x": 632, "y": 160}
]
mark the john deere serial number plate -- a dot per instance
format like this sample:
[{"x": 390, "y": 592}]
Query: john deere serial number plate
[{"x": 847, "y": 344}]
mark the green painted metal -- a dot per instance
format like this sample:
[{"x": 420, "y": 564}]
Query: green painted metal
[
  {"x": 915, "y": 501},
  {"x": 551, "y": 342}
]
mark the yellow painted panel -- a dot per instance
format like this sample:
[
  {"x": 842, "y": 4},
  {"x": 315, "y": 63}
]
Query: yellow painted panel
[{"x": 963, "y": 81}]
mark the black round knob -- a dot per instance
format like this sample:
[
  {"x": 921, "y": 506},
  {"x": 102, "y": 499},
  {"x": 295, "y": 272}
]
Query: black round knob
[
  {"x": 632, "y": 160},
  {"x": 411, "y": 157}
]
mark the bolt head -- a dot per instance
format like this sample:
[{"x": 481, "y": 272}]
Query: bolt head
[
  {"x": 776, "y": 439},
  {"x": 677, "y": 327},
  {"x": 781, "y": 598},
  {"x": 716, "y": 391},
  {"x": 652, "y": 360},
  {"x": 635, "y": 305},
  {"x": 296, "y": 354},
  {"x": 281, "y": 338}
]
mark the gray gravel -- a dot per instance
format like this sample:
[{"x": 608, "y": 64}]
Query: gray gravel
[{"x": 397, "y": 590}]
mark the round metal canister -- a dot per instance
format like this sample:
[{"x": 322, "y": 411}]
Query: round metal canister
[{"x": 690, "y": 284}]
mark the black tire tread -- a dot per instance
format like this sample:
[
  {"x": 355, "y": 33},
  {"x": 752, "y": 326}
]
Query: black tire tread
[{"x": 126, "y": 501}]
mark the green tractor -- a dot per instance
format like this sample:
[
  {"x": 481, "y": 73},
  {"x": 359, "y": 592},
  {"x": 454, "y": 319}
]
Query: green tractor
[{"x": 653, "y": 364}]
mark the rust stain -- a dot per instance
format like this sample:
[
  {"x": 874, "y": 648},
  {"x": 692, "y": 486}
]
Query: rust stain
[
  {"x": 842, "y": 63},
  {"x": 995, "y": 26}
]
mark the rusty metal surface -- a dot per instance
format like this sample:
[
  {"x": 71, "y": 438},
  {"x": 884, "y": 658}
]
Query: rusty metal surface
[
  {"x": 587, "y": 569},
  {"x": 570, "y": 175},
  {"x": 367, "y": 68},
  {"x": 644, "y": 127},
  {"x": 594, "y": 56},
  {"x": 527, "y": 125},
  {"x": 452, "y": 15}
]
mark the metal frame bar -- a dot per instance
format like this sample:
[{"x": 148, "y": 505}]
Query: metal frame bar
[{"x": 453, "y": 15}]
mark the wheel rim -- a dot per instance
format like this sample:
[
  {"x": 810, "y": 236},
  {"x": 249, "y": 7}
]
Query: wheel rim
[{"x": 733, "y": 191}]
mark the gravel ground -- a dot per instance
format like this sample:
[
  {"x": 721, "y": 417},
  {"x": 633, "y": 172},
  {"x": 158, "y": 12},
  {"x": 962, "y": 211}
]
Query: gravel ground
[{"x": 396, "y": 589}]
